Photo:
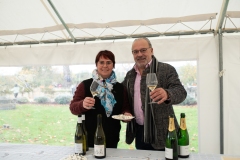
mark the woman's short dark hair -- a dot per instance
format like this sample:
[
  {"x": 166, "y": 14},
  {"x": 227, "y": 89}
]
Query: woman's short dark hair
[{"x": 105, "y": 54}]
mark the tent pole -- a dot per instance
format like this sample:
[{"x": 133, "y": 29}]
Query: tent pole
[
  {"x": 63, "y": 23},
  {"x": 221, "y": 91},
  {"x": 222, "y": 15},
  {"x": 219, "y": 29}
]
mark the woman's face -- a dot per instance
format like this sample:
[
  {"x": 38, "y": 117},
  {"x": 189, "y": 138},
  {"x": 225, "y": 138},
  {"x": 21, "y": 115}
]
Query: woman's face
[{"x": 104, "y": 67}]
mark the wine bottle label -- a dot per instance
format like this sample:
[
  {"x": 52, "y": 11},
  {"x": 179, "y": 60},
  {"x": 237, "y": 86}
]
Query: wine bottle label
[
  {"x": 79, "y": 120},
  {"x": 99, "y": 150},
  {"x": 183, "y": 150},
  {"x": 169, "y": 153},
  {"x": 183, "y": 125},
  {"x": 83, "y": 117},
  {"x": 78, "y": 148}
]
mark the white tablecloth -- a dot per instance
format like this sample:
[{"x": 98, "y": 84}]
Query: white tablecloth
[{"x": 29, "y": 152}]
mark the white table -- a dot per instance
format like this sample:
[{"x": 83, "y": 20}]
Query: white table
[{"x": 10, "y": 151}]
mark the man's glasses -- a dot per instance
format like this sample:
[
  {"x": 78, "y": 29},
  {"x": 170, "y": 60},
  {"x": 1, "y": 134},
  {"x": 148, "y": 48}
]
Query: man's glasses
[
  {"x": 108, "y": 63},
  {"x": 143, "y": 50}
]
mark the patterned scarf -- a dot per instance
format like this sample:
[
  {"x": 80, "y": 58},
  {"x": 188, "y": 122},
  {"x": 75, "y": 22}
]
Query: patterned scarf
[{"x": 104, "y": 91}]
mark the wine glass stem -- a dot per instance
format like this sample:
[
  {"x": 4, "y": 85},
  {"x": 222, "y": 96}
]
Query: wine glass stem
[
  {"x": 93, "y": 107},
  {"x": 151, "y": 101}
]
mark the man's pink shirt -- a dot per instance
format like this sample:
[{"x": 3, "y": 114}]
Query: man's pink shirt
[{"x": 137, "y": 97}]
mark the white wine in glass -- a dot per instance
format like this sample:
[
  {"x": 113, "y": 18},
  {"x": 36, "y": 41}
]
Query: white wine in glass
[
  {"x": 94, "y": 93},
  {"x": 93, "y": 89},
  {"x": 151, "y": 81},
  {"x": 152, "y": 87}
]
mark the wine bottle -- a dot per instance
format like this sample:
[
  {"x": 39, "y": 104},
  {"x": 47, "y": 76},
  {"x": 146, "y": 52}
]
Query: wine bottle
[
  {"x": 80, "y": 146},
  {"x": 183, "y": 138},
  {"x": 171, "y": 150},
  {"x": 99, "y": 140},
  {"x": 85, "y": 131}
]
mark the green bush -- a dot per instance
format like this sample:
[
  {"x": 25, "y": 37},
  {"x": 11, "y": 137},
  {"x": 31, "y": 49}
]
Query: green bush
[
  {"x": 22, "y": 100},
  {"x": 189, "y": 101},
  {"x": 63, "y": 99},
  {"x": 41, "y": 99}
]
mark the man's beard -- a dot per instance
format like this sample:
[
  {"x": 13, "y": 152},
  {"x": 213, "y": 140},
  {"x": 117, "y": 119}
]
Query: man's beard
[{"x": 141, "y": 65}]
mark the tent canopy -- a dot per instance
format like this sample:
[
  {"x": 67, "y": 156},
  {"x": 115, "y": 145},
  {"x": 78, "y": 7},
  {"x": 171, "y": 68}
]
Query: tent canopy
[{"x": 51, "y": 21}]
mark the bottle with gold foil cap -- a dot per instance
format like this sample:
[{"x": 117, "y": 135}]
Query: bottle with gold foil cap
[
  {"x": 171, "y": 150},
  {"x": 183, "y": 138}
]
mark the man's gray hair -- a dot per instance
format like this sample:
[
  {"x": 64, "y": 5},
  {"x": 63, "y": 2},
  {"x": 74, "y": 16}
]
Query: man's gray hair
[{"x": 146, "y": 39}]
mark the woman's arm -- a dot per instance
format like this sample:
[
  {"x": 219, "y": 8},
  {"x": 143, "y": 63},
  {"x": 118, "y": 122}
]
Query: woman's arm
[{"x": 76, "y": 105}]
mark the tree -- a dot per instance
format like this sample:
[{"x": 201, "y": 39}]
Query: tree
[
  {"x": 67, "y": 76},
  {"x": 38, "y": 75},
  {"x": 188, "y": 74},
  {"x": 5, "y": 85}
]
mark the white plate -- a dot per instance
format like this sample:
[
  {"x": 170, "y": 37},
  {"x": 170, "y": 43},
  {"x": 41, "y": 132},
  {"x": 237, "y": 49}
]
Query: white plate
[{"x": 122, "y": 117}]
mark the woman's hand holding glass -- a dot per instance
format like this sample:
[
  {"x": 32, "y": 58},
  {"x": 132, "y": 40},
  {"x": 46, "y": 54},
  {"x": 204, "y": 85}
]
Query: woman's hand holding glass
[
  {"x": 93, "y": 90},
  {"x": 88, "y": 103}
]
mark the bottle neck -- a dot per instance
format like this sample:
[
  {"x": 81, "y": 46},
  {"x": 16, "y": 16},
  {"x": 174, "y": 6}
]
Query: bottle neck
[
  {"x": 183, "y": 125},
  {"x": 171, "y": 126},
  {"x": 99, "y": 120}
]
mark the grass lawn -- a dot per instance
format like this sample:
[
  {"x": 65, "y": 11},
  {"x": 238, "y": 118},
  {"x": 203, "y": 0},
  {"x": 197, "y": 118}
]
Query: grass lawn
[{"x": 55, "y": 125}]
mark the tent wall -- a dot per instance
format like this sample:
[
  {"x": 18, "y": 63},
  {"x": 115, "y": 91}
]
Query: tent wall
[
  {"x": 208, "y": 99},
  {"x": 231, "y": 83},
  {"x": 204, "y": 49}
]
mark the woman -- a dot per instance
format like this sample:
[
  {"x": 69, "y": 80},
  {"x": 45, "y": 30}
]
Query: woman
[{"x": 111, "y": 100}]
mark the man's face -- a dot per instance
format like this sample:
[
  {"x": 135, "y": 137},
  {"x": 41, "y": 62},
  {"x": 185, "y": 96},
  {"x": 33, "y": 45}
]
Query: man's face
[{"x": 142, "y": 54}]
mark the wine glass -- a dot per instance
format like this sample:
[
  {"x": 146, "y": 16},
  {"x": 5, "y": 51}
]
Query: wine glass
[
  {"x": 151, "y": 81},
  {"x": 93, "y": 89}
]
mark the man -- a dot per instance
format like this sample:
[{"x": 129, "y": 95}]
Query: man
[{"x": 168, "y": 91}]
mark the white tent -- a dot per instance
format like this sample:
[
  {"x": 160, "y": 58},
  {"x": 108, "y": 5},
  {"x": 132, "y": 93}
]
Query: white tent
[{"x": 58, "y": 32}]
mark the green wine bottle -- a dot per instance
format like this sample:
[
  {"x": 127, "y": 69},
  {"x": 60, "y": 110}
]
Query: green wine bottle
[
  {"x": 85, "y": 131},
  {"x": 99, "y": 140},
  {"x": 171, "y": 150},
  {"x": 80, "y": 146},
  {"x": 183, "y": 138}
]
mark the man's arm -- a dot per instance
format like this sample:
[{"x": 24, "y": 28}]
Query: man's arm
[{"x": 173, "y": 91}]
